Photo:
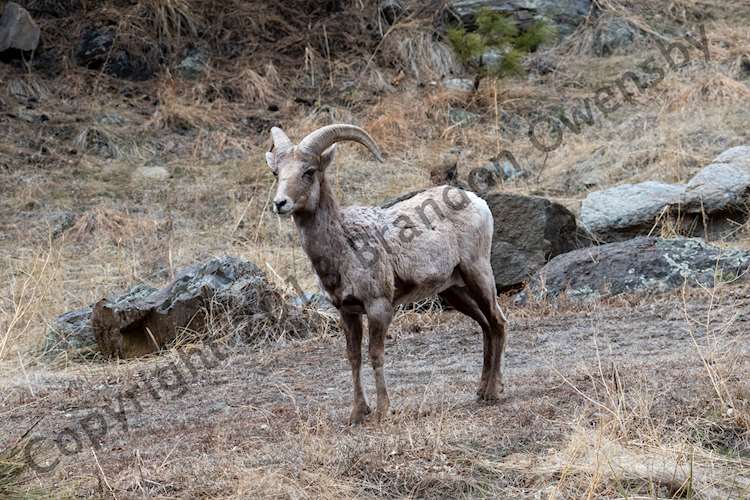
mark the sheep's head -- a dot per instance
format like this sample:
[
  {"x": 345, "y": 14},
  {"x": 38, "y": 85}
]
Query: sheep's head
[{"x": 300, "y": 169}]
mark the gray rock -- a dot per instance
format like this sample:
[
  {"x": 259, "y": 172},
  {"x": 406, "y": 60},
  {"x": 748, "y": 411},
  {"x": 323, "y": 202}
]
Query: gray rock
[
  {"x": 564, "y": 14},
  {"x": 529, "y": 231},
  {"x": 316, "y": 300},
  {"x": 509, "y": 171},
  {"x": 153, "y": 173},
  {"x": 70, "y": 332},
  {"x": 73, "y": 332},
  {"x": 461, "y": 117},
  {"x": 17, "y": 29},
  {"x": 627, "y": 209},
  {"x": 541, "y": 63},
  {"x": 612, "y": 33},
  {"x": 391, "y": 10},
  {"x": 712, "y": 204},
  {"x": 97, "y": 50},
  {"x": 194, "y": 65},
  {"x": 459, "y": 84},
  {"x": 111, "y": 118},
  {"x": 491, "y": 57},
  {"x": 640, "y": 265},
  {"x": 483, "y": 179},
  {"x": 140, "y": 323},
  {"x": 722, "y": 185},
  {"x": 60, "y": 222},
  {"x": 503, "y": 169}
]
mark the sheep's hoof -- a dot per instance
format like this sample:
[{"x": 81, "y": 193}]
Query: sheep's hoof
[
  {"x": 383, "y": 410},
  {"x": 482, "y": 387},
  {"x": 359, "y": 412},
  {"x": 490, "y": 394}
]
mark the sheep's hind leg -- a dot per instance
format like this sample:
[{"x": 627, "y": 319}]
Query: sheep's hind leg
[
  {"x": 463, "y": 302},
  {"x": 379, "y": 315},
  {"x": 481, "y": 284},
  {"x": 352, "y": 324}
]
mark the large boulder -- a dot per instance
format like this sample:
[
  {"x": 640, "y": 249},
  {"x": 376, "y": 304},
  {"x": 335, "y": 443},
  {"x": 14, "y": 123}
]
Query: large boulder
[
  {"x": 638, "y": 265},
  {"x": 138, "y": 324},
  {"x": 220, "y": 295},
  {"x": 529, "y": 231},
  {"x": 566, "y": 15},
  {"x": 630, "y": 209},
  {"x": 73, "y": 333},
  {"x": 17, "y": 29},
  {"x": 712, "y": 204},
  {"x": 722, "y": 185}
]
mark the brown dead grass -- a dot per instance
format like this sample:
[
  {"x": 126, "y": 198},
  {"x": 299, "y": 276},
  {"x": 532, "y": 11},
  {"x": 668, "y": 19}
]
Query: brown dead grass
[{"x": 576, "y": 433}]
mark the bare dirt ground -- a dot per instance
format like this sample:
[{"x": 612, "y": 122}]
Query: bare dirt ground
[{"x": 637, "y": 397}]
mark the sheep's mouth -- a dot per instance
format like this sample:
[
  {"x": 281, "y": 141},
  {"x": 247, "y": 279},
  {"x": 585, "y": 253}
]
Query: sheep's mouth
[{"x": 285, "y": 212}]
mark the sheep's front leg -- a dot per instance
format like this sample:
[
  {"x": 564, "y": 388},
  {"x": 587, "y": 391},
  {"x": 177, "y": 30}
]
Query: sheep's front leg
[
  {"x": 379, "y": 315},
  {"x": 352, "y": 324}
]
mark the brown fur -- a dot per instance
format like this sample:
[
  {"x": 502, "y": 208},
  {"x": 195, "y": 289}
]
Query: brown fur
[{"x": 370, "y": 259}]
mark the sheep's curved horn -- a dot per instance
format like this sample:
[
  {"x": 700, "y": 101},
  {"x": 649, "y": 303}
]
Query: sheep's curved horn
[
  {"x": 280, "y": 140},
  {"x": 318, "y": 141}
]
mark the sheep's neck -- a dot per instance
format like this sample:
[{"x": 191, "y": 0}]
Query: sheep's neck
[{"x": 323, "y": 237}]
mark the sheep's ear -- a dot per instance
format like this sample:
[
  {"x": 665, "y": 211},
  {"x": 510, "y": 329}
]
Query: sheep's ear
[
  {"x": 327, "y": 157},
  {"x": 271, "y": 160}
]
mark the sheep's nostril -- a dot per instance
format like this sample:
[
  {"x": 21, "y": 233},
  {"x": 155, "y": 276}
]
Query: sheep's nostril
[{"x": 279, "y": 204}]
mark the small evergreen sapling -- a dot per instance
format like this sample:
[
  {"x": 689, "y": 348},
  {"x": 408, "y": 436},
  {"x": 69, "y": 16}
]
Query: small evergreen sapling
[{"x": 501, "y": 33}]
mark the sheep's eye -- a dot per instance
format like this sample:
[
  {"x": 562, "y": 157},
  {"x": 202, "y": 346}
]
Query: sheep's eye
[
  {"x": 275, "y": 173},
  {"x": 309, "y": 172}
]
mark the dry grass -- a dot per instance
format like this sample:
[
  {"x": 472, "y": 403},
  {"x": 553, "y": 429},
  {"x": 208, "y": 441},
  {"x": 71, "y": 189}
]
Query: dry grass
[
  {"x": 708, "y": 90},
  {"x": 605, "y": 426},
  {"x": 14, "y": 483},
  {"x": 412, "y": 49}
]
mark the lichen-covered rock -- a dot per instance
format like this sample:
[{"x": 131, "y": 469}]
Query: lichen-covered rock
[
  {"x": 141, "y": 323},
  {"x": 224, "y": 292},
  {"x": 459, "y": 84},
  {"x": 637, "y": 266}
]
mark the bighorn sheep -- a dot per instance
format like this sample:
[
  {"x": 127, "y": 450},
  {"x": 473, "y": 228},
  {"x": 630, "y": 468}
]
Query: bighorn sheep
[{"x": 370, "y": 259}]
